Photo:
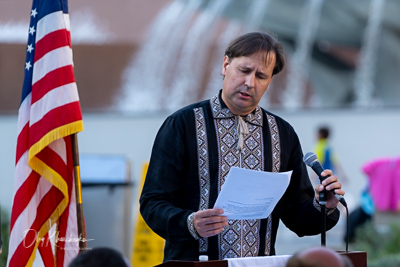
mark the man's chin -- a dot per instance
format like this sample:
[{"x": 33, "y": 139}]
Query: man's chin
[{"x": 243, "y": 110}]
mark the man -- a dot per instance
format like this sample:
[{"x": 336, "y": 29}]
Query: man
[
  {"x": 318, "y": 257},
  {"x": 195, "y": 148},
  {"x": 100, "y": 257}
]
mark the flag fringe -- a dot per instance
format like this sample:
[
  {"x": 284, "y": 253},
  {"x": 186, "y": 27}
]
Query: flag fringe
[
  {"x": 46, "y": 228},
  {"x": 50, "y": 175},
  {"x": 57, "y": 133},
  {"x": 53, "y": 177}
]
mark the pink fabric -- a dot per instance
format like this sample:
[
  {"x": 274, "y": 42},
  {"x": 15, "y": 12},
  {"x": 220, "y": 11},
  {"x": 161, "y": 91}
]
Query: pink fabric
[{"x": 384, "y": 177}]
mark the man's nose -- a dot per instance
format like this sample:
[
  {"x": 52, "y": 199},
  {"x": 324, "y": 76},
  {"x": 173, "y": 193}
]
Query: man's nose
[{"x": 250, "y": 80}]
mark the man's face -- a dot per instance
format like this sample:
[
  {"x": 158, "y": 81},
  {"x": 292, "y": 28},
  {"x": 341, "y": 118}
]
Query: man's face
[{"x": 246, "y": 80}]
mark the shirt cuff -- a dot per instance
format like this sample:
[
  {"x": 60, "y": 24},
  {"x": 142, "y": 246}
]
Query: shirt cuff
[
  {"x": 191, "y": 228},
  {"x": 318, "y": 207}
]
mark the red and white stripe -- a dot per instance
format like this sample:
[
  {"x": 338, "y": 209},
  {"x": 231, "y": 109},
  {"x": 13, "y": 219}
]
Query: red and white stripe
[{"x": 53, "y": 103}]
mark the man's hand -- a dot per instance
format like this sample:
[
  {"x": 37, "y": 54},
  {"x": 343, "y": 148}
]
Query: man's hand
[
  {"x": 209, "y": 222},
  {"x": 330, "y": 183}
]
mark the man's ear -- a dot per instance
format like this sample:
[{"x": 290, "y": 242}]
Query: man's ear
[{"x": 225, "y": 64}]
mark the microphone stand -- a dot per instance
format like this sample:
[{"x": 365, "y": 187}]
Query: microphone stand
[
  {"x": 311, "y": 160},
  {"x": 322, "y": 203}
]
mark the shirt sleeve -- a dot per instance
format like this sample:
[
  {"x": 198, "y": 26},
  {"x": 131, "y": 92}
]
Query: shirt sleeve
[{"x": 162, "y": 194}]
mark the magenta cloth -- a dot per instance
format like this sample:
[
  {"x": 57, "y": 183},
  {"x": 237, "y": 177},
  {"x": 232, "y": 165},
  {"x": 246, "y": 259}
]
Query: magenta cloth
[{"x": 384, "y": 177}]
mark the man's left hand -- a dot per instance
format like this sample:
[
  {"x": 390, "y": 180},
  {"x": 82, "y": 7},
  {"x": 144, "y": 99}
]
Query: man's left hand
[{"x": 330, "y": 183}]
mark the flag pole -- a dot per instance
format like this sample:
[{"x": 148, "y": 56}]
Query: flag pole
[{"x": 78, "y": 194}]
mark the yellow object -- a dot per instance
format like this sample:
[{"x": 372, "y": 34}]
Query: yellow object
[{"x": 148, "y": 246}]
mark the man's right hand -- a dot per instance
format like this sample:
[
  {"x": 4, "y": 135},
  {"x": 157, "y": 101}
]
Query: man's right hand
[{"x": 209, "y": 222}]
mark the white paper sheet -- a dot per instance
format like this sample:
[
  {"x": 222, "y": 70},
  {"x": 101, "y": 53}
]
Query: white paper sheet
[
  {"x": 249, "y": 194},
  {"x": 275, "y": 261}
]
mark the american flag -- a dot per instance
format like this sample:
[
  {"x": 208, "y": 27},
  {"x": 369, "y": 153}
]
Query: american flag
[{"x": 43, "y": 217}]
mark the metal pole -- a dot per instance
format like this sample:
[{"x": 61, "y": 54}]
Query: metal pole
[
  {"x": 322, "y": 202},
  {"x": 78, "y": 193}
]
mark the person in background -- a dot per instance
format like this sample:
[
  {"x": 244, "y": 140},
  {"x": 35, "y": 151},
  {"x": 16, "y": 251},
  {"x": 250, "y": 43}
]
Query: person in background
[
  {"x": 318, "y": 257},
  {"x": 100, "y": 257},
  {"x": 360, "y": 215},
  {"x": 197, "y": 145},
  {"x": 325, "y": 153}
]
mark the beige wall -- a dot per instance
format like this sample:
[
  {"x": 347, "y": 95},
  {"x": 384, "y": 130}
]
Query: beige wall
[
  {"x": 126, "y": 19},
  {"x": 358, "y": 136},
  {"x": 122, "y": 25},
  {"x": 98, "y": 71}
]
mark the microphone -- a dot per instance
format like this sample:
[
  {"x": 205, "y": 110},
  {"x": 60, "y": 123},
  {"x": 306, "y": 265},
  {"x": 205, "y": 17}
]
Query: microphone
[{"x": 311, "y": 160}]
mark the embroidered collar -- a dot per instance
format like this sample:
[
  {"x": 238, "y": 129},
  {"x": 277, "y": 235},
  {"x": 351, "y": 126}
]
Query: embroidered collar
[{"x": 221, "y": 111}]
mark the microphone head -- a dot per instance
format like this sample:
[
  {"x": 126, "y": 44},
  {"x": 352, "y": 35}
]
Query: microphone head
[{"x": 309, "y": 158}]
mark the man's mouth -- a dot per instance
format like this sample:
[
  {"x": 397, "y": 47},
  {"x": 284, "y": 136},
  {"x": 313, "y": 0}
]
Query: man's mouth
[{"x": 244, "y": 94}]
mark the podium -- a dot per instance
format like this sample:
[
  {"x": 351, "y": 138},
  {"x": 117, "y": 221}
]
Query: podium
[
  {"x": 221, "y": 263},
  {"x": 358, "y": 258}
]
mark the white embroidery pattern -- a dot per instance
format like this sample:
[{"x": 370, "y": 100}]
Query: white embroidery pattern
[{"x": 204, "y": 170}]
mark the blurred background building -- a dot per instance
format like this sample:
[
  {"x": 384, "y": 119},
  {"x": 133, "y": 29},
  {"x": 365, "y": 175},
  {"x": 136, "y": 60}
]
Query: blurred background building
[
  {"x": 137, "y": 61},
  {"x": 159, "y": 55}
]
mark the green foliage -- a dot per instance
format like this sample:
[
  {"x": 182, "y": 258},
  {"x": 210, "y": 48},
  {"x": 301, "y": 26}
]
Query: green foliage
[
  {"x": 382, "y": 245},
  {"x": 5, "y": 233}
]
